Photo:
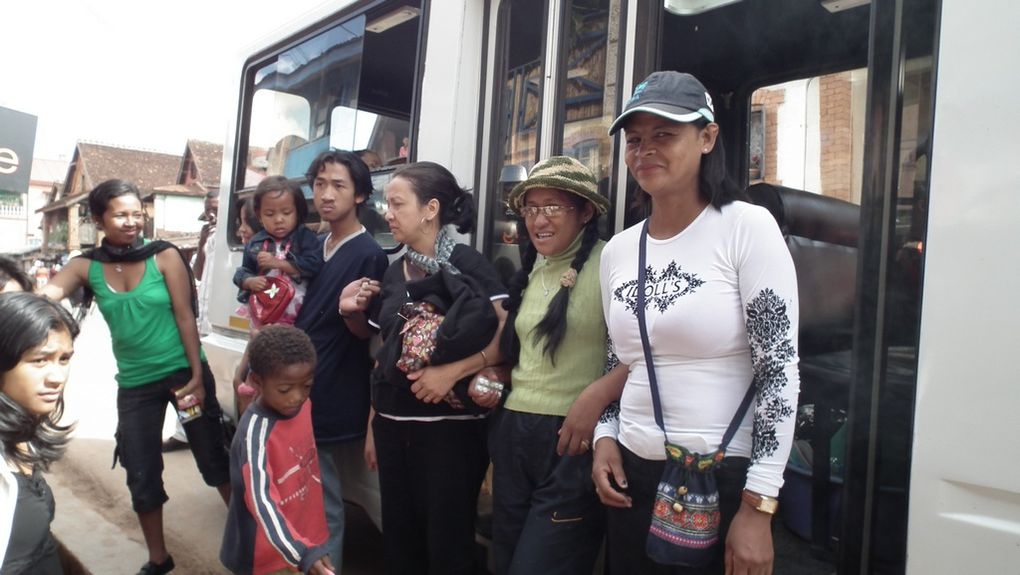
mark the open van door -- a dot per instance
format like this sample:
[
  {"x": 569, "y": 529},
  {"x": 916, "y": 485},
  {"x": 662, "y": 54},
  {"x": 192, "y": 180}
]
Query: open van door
[{"x": 965, "y": 481}]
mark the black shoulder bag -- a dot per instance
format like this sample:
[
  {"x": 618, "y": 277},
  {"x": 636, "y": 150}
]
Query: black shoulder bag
[{"x": 685, "y": 516}]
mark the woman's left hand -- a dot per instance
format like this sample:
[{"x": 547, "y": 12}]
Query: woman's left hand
[
  {"x": 579, "y": 425},
  {"x": 486, "y": 398},
  {"x": 193, "y": 387},
  {"x": 432, "y": 383},
  {"x": 749, "y": 543}
]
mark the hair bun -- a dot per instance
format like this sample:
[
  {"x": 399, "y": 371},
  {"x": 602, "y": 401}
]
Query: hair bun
[{"x": 457, "y": 207}]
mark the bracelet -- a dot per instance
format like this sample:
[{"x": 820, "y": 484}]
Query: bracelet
[{"x": 485, "y": 360}]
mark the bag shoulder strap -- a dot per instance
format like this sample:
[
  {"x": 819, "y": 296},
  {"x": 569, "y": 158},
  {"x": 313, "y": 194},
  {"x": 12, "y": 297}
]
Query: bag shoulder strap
[
  {"x": 653, "y": 383},
  {"x": 285, "y": 247}
]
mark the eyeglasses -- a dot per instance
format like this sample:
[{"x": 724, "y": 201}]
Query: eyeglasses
[{"x": 529, "y": 212}]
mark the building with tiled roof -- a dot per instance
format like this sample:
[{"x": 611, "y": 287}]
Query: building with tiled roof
[
  {"x": 171, "y": 187},
  {"x": 201, "y": 164}
]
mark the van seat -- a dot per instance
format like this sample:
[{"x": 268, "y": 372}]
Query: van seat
[{"x": 822, "y": 234}]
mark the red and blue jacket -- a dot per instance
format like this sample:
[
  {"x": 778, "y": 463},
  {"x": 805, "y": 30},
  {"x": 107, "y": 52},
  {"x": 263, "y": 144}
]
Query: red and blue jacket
[{"x": 276, "y": 518}]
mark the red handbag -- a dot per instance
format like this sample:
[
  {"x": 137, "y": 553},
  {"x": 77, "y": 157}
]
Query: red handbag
[{"x": 267, "y": 306}]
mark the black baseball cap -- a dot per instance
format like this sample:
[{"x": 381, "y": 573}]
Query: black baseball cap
[{"x": 676, "y": 96}]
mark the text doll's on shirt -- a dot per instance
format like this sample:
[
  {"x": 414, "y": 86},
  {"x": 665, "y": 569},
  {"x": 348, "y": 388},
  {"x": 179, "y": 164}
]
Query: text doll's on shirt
[{"x": 285, "y": 249}]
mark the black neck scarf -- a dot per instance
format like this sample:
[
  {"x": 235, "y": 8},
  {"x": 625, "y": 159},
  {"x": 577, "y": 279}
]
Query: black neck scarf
[{"x": 137, "y": 252}]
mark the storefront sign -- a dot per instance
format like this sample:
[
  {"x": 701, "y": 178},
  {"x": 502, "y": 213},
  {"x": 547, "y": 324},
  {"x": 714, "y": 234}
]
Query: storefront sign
[{"x": 17, "y": 142}]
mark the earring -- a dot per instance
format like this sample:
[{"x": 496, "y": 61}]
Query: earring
[
  {"x": 422, "y": 222},
  {"x": 705, "y": 151}
]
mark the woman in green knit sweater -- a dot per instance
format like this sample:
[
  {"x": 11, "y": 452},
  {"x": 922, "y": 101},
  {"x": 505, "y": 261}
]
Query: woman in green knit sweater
[{"x": 546, "y": 516}]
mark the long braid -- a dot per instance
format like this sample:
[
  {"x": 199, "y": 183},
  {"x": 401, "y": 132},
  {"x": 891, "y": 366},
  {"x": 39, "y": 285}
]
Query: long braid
[
  {"x": 510, "y": 344},
  {"x": 553, "y": 326}
]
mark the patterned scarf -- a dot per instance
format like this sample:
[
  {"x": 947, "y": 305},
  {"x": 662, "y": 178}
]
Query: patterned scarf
[{"x": 444, "y": 247}]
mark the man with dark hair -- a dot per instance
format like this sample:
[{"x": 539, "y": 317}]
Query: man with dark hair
[{"x": 341, "y": 183}]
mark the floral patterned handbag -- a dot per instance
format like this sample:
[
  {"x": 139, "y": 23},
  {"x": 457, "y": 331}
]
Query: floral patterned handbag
[
  {"x": 418, "y": 335},
  {"x": 418, "y": 340}
]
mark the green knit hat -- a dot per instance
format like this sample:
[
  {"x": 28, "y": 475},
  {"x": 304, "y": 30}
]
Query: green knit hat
[{"x": 560, "y": 173}]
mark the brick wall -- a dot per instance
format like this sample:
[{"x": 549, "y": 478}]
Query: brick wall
[{"x": 835, "y": 130}]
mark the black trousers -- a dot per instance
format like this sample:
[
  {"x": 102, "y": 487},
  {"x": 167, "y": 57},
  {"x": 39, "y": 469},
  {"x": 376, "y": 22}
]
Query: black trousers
[
  {"x": 546, "y": 517},
  {"x": 430, "y": 473},
  {"x": 628, "y": 528},
  {"x": 140, "y": 412}
]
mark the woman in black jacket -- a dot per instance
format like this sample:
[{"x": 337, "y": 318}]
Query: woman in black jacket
[{"x": 429, "y": 435}]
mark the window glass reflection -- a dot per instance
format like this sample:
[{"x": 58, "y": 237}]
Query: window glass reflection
[{"x": 518, "y": 122}]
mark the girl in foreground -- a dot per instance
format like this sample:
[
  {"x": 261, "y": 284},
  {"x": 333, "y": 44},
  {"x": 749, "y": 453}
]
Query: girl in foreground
[{"x": 35, "y": 352}]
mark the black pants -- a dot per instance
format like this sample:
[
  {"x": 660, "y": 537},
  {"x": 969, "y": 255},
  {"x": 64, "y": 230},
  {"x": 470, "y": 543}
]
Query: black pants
[
  {"x": 546, "y": 517},
  {"x": 140, "y": 413},
  {"x": 628, "y": 528},
  {"x": 430, "y": 473}
]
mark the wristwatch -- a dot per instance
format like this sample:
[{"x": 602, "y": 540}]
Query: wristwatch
[{"x": 762, "y": 503}]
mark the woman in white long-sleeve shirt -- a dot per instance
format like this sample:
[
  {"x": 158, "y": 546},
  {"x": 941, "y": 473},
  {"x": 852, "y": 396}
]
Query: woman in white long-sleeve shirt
[{"x": 721, "y": 312}]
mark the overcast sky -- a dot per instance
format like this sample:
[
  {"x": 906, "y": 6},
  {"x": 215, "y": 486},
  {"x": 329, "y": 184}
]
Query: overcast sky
[{"x": 132, "y": 73}]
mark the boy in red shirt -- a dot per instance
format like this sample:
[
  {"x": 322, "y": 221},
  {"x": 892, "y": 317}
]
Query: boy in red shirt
[{"x": 276, "y": 522}]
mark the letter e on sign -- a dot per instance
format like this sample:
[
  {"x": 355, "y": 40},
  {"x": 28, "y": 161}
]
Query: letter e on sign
[{"x": 8, "y": 161}]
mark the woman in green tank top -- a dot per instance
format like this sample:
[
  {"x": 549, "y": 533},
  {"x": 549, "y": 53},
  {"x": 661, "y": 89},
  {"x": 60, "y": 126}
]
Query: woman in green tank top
[{"x": 146, "y": 293}]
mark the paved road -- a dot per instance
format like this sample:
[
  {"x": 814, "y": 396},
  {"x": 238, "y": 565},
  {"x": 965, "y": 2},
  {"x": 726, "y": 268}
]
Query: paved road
[{"x": 94, "y": 517}]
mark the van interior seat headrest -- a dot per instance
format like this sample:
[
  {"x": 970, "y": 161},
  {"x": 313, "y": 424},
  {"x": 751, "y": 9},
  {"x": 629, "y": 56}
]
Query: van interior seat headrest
[
  {"x": 808, "y": 215},
  {"x": 821, "y": 234}
]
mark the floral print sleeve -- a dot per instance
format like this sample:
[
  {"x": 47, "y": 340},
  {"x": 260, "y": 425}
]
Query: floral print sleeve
[{"x": 768, "y": 287}]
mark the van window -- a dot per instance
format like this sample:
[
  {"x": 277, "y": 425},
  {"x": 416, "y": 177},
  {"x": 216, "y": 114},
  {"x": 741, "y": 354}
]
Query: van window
[
  {"x": 808, "y": 134},
  {"x": 349, "y": 86},
  {"x": 588, "y": 91},
  {"x": 519, "y": 103}
]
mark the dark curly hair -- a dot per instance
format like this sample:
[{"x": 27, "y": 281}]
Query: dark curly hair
[
  {"x": 28, "y": 320},
  {"x": 278, "y": 346}
]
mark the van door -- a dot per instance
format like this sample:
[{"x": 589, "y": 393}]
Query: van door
[{"x": 965, "y": 485}]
